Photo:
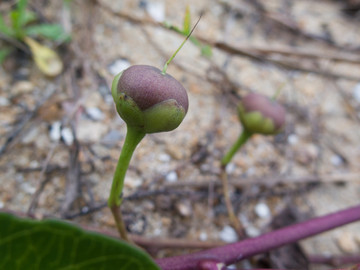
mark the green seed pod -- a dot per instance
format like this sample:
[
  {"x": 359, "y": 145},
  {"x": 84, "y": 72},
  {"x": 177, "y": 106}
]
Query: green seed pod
[
  {"x": 148, "y": 100},
  {"x": 259, "y": 114}
]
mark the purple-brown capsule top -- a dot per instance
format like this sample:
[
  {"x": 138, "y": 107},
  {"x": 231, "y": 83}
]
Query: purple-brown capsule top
[
  {"x": 149, "y": 100},
  {"x": 262, "y": 115}
]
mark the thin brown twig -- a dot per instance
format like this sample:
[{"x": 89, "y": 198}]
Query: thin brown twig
[
  {"x": 230, "y": 209},
  {"x": 42, "y": 181},
  {"x": 242, "y": 181}
]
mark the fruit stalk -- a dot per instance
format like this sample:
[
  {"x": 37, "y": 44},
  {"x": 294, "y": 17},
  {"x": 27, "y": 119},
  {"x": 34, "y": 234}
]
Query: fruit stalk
[{"x": 133, "y": 138}]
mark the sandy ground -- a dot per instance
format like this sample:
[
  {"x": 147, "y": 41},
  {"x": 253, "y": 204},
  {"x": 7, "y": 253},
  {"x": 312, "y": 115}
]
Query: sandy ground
[{"x": 307, "y": 49}]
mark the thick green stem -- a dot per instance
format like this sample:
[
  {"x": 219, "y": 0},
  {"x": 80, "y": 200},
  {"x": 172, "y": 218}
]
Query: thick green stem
[
  {"x": 245, "y": 135},
  {"x": 133, "y": 138}
]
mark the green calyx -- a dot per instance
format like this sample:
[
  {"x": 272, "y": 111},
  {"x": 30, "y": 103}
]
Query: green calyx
[
  {"x": 256, "y": 122},
  {"x": 164, "y": 116}
]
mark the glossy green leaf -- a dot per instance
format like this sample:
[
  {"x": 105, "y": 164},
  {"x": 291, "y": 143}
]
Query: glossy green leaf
[{"x": 50, "y": 244}]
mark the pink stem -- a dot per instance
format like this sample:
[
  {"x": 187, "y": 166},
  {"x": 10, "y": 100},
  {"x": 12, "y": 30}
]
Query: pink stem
[{"x": 235, "y": 252}]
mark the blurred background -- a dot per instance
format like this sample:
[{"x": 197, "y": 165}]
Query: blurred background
[{"x": 60, "y": 135}]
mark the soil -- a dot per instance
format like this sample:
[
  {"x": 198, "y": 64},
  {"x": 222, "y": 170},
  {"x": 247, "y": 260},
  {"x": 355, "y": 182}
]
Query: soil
[{"x": 61, "y": 137}]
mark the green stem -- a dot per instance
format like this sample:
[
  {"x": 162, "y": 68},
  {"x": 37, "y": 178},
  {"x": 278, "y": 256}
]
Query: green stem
[
  {"x": 133, "y": 138},
  {"x": 182, "y": 44},
  {"x": 245, "y": 135}
]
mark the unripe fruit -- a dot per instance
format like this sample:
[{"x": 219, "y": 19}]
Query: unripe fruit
[
  {"x": 259, "y": 114},
  {"x": 148, "y": 100}
]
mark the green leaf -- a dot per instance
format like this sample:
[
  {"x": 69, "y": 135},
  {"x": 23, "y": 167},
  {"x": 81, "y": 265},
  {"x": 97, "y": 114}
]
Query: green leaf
[
  {"x": 19, "y": 18},
  {"x": 50, "y": 244},
  {"x": 187, "y": 21},
  {"x": 21, "y": 9},
  {"x": 4, "y": 29},
  {"x": 29, "y": 17},
  {"x": 50, "y": 31},
  {"x": 3, "y": 54},
  {"x": 206, "y": 51}
]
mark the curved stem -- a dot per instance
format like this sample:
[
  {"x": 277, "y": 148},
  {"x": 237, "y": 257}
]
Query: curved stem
[
  {"x": 133, "y": 138},
  {"x": 245, "y": 135}
]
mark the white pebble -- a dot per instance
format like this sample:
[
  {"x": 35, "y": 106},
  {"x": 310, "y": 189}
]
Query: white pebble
[
  {"x": 251, "y": 171},
  {"x": 171, "y": 177},
  {"x": 164, "y": 158},
  {"x": 67, "y": 136},
  {"x": 118, "y": 65},
  {"x": 95, "y": 113},
  {"x": 251, "y": 231},
  {"x": 156, "y": 10},
  {"x": 55, "y": 131},
  {"x": 4, "y": 102},
  {"x": 2, "y": 204},
  {"x": 228, "y": 234},
  {"x": 157, "y": 232},
  {"x": 230, "y": 168},
  {"x": 203, "y": 236},
  {"x": 336, "y": 160},
  {"x": 262, "y": 210},
  {"x": 356, "y": 93},
  {"x": 27, "y": 188},
  {"x": 293, "y": 139}
]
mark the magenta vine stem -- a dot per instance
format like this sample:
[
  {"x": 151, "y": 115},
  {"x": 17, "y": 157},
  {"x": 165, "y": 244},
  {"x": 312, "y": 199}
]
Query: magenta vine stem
[{"x": 231, "y": 253}]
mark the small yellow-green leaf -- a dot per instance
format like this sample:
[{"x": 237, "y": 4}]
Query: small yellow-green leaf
[
  {"x": 187, "y": 21},
  {"x": 45, "y": 58}
]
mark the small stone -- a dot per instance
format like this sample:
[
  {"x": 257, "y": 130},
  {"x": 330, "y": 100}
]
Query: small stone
[
  {"x": 55, "y": 131},
  {"x": 228, "y": 234},
  {"x": 28, "y": 188},
  {"x": 89, "y": 131},
  {"x": 171, "y": 177},
  {"x": 112, "y": 138},
  {"x": 164, "y": 157},
  {"x": 230, "y": 168},
  {"x": 157, "y": 232},
  {"x": 262, "y": 210},
  {"x": 252, "y": 231},
  {"x": 22, "y": 87},
  {"x": 156, "y": 10},
  {"x": 175, "y": 151},
  {"x": 133, "y": 182},
  {"x": 251, "y": 171},
  {"x": 184, "y": 208},
  {"x": 336, "y": 160},
  {"x": 67, "y": 136},
  {"x": 347, "y": 242},
  {"x": 118, "y": 65},
  {"x": 4, "y": 102},
  {"x": 203, "y": 236},
  {"x": 293, "y": 139},
  {"x": 356, "y": 93},
  {"x": 95, "y": 113}
]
